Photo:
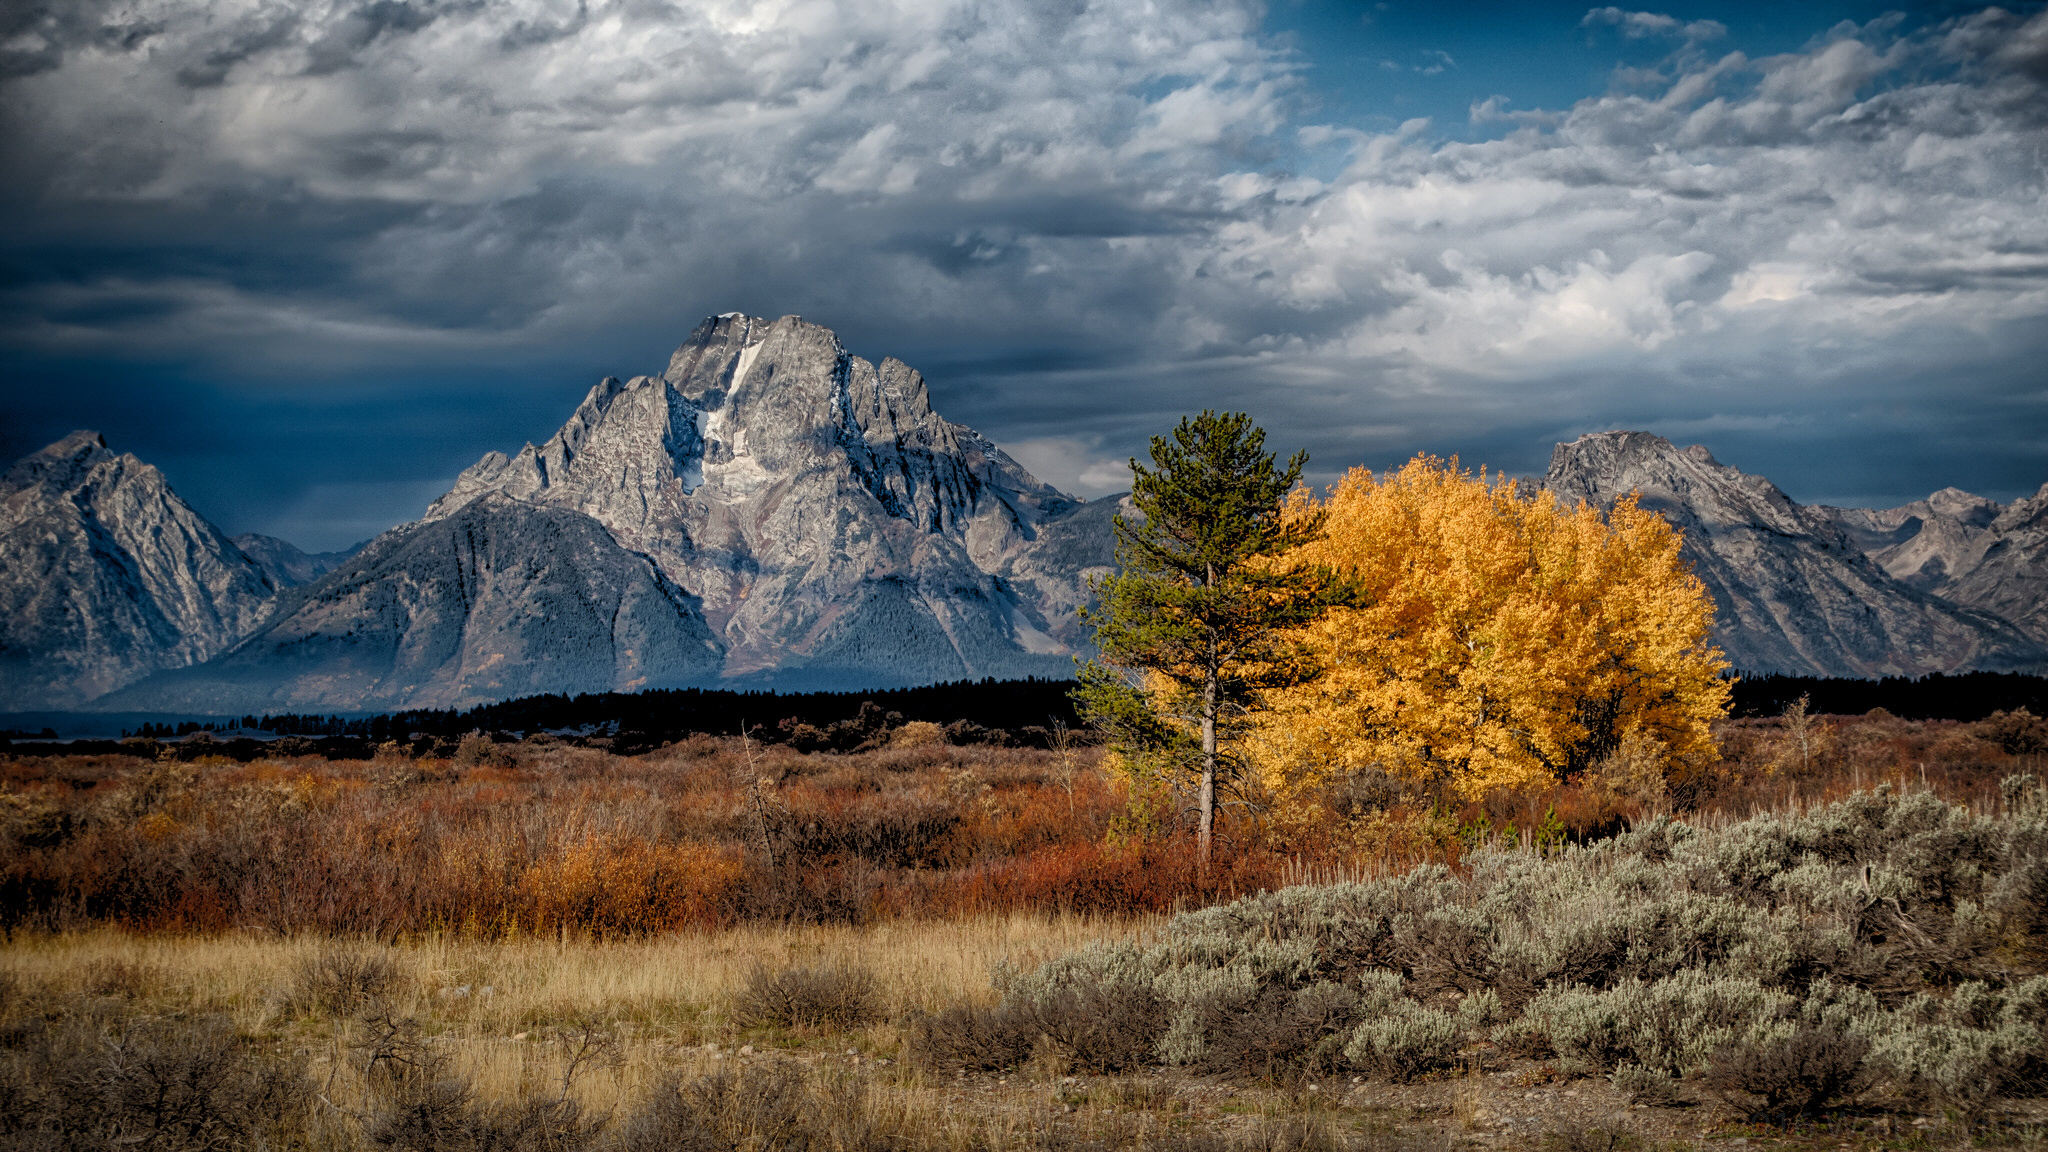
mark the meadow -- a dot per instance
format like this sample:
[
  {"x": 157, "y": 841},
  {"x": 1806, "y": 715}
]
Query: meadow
[{"x": 1832, "y": 934}]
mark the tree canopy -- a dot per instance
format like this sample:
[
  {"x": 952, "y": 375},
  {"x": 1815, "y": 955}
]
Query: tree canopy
[
  {"x": 1499, "y": 638},
  {"x": 1199, "y": 610}
]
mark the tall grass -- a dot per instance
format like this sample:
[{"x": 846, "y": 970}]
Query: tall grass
[{"x": 540, "y": 838}]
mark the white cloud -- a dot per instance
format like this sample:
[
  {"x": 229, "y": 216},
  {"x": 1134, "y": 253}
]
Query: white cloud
[
  {"x": 1073, "y": 464},
  {"x": 1106, "y": 202},
  {"x": 1643, "y": 25}
]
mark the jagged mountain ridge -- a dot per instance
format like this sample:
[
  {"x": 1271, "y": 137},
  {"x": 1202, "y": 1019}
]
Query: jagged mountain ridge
[
  {"x": 495, "y": 600},
  {"x": 835, "y": 527},
  {"x": 808, "y": 516},
  {"x": 288, "y": 565},
  {"x": 1795, "y": 592},
  {"x": 1966, "y": 549},
  {"x": 773, "y": 511},
  {"x": 106, "y": 576}
]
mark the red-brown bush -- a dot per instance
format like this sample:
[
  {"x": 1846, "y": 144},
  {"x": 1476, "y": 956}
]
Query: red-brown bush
[{"x": 550, "y": 837}]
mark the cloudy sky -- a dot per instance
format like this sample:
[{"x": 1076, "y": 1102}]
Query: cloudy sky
[{"x": 312, "y": 257}]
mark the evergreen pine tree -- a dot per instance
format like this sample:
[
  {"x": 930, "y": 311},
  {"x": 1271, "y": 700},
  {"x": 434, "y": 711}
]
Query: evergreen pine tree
[{"x": 1189, "y": 629}]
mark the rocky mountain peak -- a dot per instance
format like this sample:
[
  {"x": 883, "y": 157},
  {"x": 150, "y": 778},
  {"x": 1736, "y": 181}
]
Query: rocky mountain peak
[
  {"x": 1687, "y": 485},
  {"x": 1966, "y": 508},
  {"x": 59, "y": 466},
  {"x": 802, "y": 493},
  {"x": 1793, "y": 590},
  {"x": 106, "y": 575}
]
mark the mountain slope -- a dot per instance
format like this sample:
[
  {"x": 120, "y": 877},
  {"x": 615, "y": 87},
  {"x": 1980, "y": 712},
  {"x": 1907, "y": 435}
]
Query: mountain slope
[
  {"x": 106, "y": 576},
  {"x": 497, "y": 600},
  {"x": 770, "y": 511},
  {"x": 287, "y": 565},
  {"x": 1794, "y": 592},
  {"x": 1966, "y": 549},
  {"x": 838, "y": 531},
  {"x": 2011, "y": 574}
]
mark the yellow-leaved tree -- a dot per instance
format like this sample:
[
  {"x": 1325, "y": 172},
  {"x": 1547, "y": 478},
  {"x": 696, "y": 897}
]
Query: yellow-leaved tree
[{"x": 1504, "y": 639}]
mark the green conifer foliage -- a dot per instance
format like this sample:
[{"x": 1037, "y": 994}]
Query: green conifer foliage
[{"x": 1189, "y": 629}]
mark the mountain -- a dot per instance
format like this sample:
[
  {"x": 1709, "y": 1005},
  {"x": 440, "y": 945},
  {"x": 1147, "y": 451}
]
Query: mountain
[
  {"x": 107, "y": 576},
  {"x": 285, "y": 563},
  {"x": 769, "y": 511},
  {"x": 1794, "y": 589},
  {"x": 772, "y": 511},
  {"x": 837, "y": 530},
  {"x": 2011, "y": 576},
  {"x": 1966, "y": 549},
  {"x": 498, "y": 599}
]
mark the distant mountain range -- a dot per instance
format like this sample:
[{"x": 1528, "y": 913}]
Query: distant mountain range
[
  {"x": 1825, "y": 591},
  {"x": 771, "y": 511}
]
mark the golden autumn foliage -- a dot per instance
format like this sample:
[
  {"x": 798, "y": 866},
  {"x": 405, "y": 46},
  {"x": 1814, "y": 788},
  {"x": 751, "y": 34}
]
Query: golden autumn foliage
[{"x": 1504, "y": 640}]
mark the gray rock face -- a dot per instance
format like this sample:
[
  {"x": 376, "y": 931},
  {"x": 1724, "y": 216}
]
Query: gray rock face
[
  {"x": 2011, "y": 574},
  {"x": 1966, "y": 549},
  {"x": 107, "y": 576},
  {"x": 837, "y": 531},
  {"x": 1795, "y": 591},
  {"x": 285, "y": 563},
  {"x": 497, "y": 599},
  {"x": 770, "y": 511}
]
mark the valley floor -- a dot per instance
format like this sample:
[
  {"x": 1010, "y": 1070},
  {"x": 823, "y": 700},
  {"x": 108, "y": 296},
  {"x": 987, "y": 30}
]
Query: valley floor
[{"x": 611, "y": 1028}]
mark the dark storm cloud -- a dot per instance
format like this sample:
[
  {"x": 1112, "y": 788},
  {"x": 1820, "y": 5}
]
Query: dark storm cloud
[{"x": 358, "y": 244}]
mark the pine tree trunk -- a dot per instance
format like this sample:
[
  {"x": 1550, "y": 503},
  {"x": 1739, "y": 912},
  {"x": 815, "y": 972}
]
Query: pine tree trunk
[{"x": 1208, "y": 799}]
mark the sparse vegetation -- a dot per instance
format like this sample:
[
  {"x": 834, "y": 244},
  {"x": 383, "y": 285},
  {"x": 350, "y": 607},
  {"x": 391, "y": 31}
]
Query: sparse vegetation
[{"x": 1840, "y": 924}]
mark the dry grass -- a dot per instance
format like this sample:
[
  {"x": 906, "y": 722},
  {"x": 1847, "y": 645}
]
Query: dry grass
[
  {"x": 682, "y": 982},
  {"x": 511, "y": 1018}
]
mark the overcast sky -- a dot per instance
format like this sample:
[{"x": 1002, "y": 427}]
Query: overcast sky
[{"x": 313, "y": 257}]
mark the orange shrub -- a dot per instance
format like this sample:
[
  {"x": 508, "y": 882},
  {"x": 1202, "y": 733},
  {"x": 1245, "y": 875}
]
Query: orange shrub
[{"x": 621, "y": 887}]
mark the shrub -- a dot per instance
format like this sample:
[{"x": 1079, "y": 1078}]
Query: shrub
[
  {"x": 172, "y": 1085},
  {"x": 339, "y": 981},
  {"x": 971, "y": 1036},
  {"x": 477, "y": 750},
  {"x": 1410, "y": 1040},
  {"x": 1105, "y": 1027},
  {"x": 917, "y": 734},
  {"x": 833, "y": 997},
  {"x": 1795, "y": 1075},
  {"x": 1281, "y": 1033},
  {"x": 624, "y": 885},
  {"x": 1673, "y": 1025},
  {"x": 1099, "y": 1006},
  {"x": 2019, "y": 732},
  {"x": 1640, "y": 1085}
]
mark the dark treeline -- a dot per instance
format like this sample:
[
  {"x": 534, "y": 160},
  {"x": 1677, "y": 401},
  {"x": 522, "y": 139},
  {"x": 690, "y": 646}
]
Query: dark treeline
[
  {"x": 988, "y": 711},
  {"x": 1001, "y": 712},
  {"x": 671, "y": 714},
  {"x": 1968, "y": 696}
]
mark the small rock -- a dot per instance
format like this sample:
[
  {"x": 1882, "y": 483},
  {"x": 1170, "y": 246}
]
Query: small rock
[
  {"x": 520, "y": 1035},
  {"x": 746, "y": 1049}
]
